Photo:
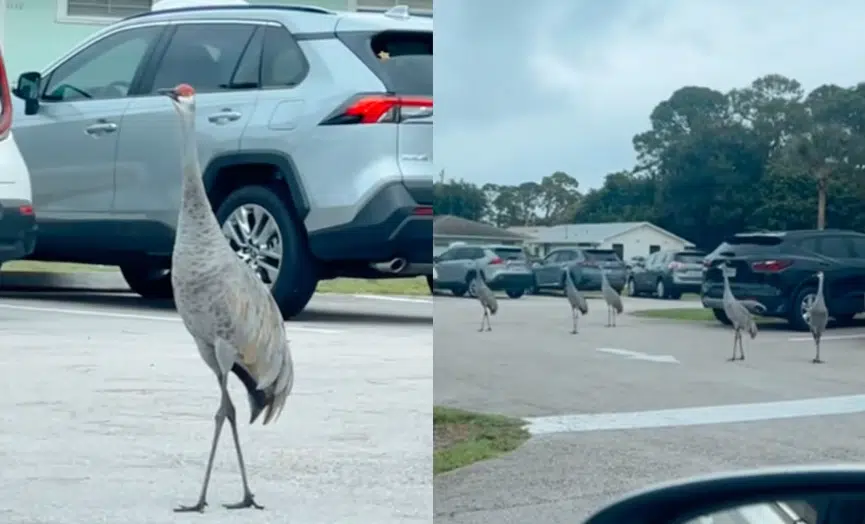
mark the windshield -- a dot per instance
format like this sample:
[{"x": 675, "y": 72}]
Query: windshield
[
  {"x": 599, "y": 255},
  {"x": 689, "y": 258},
  {"x": 510, "y": 253}
]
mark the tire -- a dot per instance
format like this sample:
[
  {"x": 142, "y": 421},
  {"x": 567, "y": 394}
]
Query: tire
[
  {"x": 429, "y": 283},
  {"x": 149, "y": 282},
  {"x": 795, "y": 315},
  {"x": 661, "y": 290},
  {"x": 675, "y": 295},
  {"x": 470, "y": 285},
  {"x": 722, "y": 317},
  {"x": 632, "y": 288},
  {"x": 515, "y": 293},
  {"x": 459, "y": 291},
  {"x": 296, "y": 278}
]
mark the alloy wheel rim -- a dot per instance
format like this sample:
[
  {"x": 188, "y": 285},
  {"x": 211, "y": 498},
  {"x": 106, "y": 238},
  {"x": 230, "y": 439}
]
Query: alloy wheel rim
[
  {"x": 805, "y": 308},
  {"x": 660, "y": 289},
  {"x": 254, "y": 235}
]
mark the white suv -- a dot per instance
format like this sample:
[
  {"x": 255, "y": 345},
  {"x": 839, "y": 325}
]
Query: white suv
[{"x": 17, "y": 219}]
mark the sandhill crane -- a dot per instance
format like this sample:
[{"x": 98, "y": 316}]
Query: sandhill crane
[
  {"x": 738, "y": 315},
  {"x": 613, "y": 300},
  {"x": 576, "y": 299},
  {"x": 486, "y": 298},
  {"x": 818, "y": 317},
  {"x": 229, "y": 312}
]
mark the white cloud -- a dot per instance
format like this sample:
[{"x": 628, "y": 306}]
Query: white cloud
[{"x": 578, "y": 88}]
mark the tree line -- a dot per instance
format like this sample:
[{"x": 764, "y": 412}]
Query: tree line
[{"x": 712, "y": 164}]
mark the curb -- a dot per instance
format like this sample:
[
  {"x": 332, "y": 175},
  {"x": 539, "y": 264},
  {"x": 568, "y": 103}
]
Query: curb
[{"x": 108, "y": 282}]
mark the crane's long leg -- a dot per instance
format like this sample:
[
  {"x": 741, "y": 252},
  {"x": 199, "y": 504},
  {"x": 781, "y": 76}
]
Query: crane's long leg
[
  {"x": 248, "y": 500},
  {"x": 615, "y": 314},
  {"x": 735, "y": 339},
  {"x": 817, "y": 344},
  {"x": 574, "y": 320},
  {"x": 219, "y": 420},
  {"x": 489, "y": 324},
  {"x": 609, "y": 311},
  {"x": 741, "y": 347},
  {"x": 483, "y": 319}
]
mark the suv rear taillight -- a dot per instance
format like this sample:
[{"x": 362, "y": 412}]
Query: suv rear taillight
[
  {"x": 496, "y": 260},
  {"x": 673, "y": 266},
  {"x": 380, "y": 109},
  {"x": 770, "y": 266},
  {"x": 5, "y": 102}
]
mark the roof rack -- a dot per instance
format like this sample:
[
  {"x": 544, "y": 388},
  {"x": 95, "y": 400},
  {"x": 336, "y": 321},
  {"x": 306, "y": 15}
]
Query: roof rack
[{"x": 282, "y": 7}]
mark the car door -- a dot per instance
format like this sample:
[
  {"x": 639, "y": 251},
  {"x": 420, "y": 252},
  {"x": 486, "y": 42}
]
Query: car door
[
  {"x": 221, "y": 60},
  {"x": 449, "y": 268},
  {"x": 638, "y": 273},
  {"x": 545, "y": 272},
  {"x": 70, "y": 144},
  {"x": 842, "y": 286},
  {"x": 858, "y": 244},
  {"x": 563, "y": 263}
]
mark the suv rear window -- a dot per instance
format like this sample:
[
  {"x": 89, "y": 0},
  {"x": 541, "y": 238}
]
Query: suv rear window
[
  {"x": 746, "y": 244},
  {"x": 403, "y": 60},
  {"x": 509, "y": 254},
  {"x": 690, "y": 257},
  {"x": 601, "y": 255}
]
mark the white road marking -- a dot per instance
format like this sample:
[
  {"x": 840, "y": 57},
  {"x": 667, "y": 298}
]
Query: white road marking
[
  {"x": 826, "y": 337},
  {"x": 395, "y": 299},
  {"x": 164, "y": 318},
  {"x": 636, "y": 355},
  {"x": 665, "y": 418}
]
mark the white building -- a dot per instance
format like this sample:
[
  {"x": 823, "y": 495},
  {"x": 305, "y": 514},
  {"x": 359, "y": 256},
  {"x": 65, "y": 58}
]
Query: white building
[{"x": 628, "y": 239}]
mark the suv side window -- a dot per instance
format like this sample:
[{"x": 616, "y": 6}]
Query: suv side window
[
  {"x": 104, "y": 69},
  {"x": 457, "y": 253},
  {"x": 858, "y": 247},
  {"x": 474, "y": 253},
  {"x": 834, "y": 247},
  {"x": 248, "y": 73},
  {"x": 282, "y": 61},
  {"x": 551, "y": 258},
  {"x": 809, "y": 244},
  {"x": 202, "y": 55}
]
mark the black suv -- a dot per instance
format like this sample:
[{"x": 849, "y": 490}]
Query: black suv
[{"x": 778, "y": 270}]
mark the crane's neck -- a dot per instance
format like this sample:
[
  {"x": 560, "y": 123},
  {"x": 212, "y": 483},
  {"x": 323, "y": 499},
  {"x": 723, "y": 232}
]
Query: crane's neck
[
  {"x": 195, "y": 223},
  {"x": 727, "y": 290},
  {"x": 820, "y": 286}
]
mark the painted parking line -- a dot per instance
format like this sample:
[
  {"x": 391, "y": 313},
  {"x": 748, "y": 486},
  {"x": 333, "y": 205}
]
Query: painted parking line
[
  {"x": 809, "y": 338},
  {"x": 134, "y": 316},
  {"x": 395, "y": 299},
  {"x": 665, "y": 418}
]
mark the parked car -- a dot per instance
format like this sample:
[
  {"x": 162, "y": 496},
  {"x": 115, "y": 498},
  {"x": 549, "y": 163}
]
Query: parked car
[
  {"x": 635, "y": 261},
  {"x": 505, "y": 268},
  {"x": 777, "y": 270},
  {"x": 315, "y": 132},
  {"x": 667, "y": 274},
  {"x": 17, "y": 219},
  {"x": 584, "y": 264}
]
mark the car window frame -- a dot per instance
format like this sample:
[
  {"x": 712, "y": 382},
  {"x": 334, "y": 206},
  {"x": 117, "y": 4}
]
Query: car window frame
[
  {"x": 134, "y": 90},
  {"x": 843, "y": 238},
  {"x": 149, "y": 79},
  {"x": 261, "y": 61}
]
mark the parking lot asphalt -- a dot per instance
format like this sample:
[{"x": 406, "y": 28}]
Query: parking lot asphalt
[
  {"x": 600, "y": 403},
  {"x": 107, "y": 412}
]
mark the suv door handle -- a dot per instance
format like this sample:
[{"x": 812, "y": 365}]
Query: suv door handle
[
  {"x": 224, "y": 116},
  {"x": 100, "y": 128}
]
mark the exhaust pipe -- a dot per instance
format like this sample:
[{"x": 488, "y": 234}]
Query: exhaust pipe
[{"x": 395, "y": 266}]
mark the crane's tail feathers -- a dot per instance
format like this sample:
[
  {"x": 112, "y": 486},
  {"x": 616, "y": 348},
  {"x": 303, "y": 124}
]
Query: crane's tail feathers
[
  {"x": 619, "y": 308},
  {"x": 752, "y": 329},
  {"x": 584, "y": 309},
  {"x": 493, "y": 308},
  {"x": 283, "y": 386}
]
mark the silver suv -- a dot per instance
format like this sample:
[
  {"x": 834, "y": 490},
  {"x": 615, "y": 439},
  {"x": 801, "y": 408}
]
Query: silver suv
[
  {"x": 503, "y": 267},
  {"x": 315, "y": 133}
]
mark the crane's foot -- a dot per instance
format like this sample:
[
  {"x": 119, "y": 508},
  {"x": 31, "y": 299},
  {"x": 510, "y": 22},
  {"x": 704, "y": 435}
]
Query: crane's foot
[
  {"x": 481, "y": 329},
  {"x": 489, "y": 329},
  {"x": 817, "y": 361},
  {"x": 732, "y": 359},
  {"x": 247, "y": 502},
  {"x": 199, "y": 507},
  {"x": 573, "y": 332}
]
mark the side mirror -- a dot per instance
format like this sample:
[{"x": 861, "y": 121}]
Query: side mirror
[
  {"x": 772, "y": 495},
  {"x": 28, "y": 89}
]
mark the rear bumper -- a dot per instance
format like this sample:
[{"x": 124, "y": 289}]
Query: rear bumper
[
  {"x": 17, "y": 230},
  {"x": 511, "y": 281},
  {"x": 761, "y": 301},
  {"x": 385, "y": 228}
]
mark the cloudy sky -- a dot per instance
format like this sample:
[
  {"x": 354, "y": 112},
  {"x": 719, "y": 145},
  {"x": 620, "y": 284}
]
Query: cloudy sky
[{"x": 524, "y": 88}]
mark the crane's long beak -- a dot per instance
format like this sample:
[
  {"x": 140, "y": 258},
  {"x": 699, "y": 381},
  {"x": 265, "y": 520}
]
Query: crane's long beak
[{"x": 169, "y": 92}]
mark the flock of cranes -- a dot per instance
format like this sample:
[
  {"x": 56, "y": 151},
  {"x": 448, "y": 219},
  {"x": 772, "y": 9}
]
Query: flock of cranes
[{"x": 741, "y": 318}]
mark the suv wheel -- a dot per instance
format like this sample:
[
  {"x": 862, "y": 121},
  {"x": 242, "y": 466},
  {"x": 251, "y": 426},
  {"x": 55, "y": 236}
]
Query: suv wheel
[
  {"x": 660, "y": 290},
  {"x": 148, "y": 282},
  {"x": 459, "y": 291},
  {"x": 798, "y": 315},
  {"x": 515, "y": 293},
  {"x": 263, "y": 233}
]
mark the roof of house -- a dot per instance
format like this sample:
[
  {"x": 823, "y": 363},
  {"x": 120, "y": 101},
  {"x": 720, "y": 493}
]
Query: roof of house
[
  {"x": 454, "y": 226},
  {"x": 568, "y": 233}
]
